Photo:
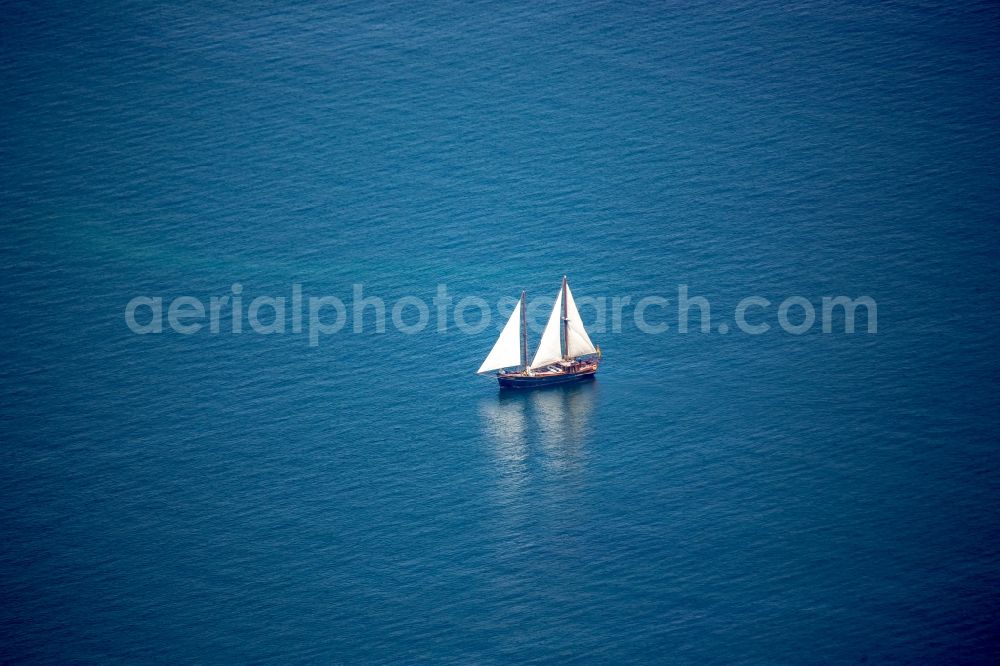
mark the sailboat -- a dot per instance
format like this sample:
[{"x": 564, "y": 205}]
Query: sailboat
[{"x": 565, "y": 353}]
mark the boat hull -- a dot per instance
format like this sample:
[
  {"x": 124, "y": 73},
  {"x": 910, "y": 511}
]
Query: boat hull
[{"x": 523, "y": 381}]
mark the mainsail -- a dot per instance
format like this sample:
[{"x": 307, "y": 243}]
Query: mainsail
[
  {"x": 506, "y": 352},
  {"x": 550, "y": 348}
]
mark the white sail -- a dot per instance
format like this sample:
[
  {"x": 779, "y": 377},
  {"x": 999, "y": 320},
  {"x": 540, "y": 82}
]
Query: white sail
[
  {"x": 549, "y": 348},
  {"x": 577, "y": 341},
  {"x": 506, "y": 353}
]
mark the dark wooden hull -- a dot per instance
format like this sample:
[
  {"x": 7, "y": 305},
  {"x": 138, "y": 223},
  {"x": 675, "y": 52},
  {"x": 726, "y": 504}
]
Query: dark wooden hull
[{"x": 523, "y": 381}]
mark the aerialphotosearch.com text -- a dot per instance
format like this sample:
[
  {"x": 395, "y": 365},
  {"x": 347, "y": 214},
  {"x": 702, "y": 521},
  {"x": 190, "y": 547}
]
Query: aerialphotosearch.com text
[{"x": 318, "y": 316}]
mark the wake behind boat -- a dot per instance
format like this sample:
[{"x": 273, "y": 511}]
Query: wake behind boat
[{"x": 565, "y": 353}]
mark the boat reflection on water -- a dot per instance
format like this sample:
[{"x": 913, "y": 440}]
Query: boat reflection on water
[
  {"x": 505, "y": 423},
  {"x": 553, "y": 422}
]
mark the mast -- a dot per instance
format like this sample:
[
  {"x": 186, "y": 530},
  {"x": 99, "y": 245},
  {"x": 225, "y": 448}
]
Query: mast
[
  {"x": 565, "y": 323},
  {"x": 524, "y": 336}
]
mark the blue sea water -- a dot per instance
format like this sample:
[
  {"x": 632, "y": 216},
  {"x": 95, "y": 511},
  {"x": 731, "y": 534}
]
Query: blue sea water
[{"x": 769, "y": 499}]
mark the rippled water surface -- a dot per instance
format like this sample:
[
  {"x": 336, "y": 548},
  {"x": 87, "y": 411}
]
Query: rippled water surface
[{"x": 709, "y": 499}]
